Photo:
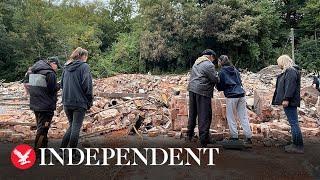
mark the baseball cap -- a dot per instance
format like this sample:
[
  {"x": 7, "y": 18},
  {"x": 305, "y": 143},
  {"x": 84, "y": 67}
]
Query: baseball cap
[
  {"x": 54, "y": 59},
  {"x": 209, "y": 52}
]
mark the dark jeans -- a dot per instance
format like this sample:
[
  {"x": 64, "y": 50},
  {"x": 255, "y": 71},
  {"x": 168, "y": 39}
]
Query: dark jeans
[
  {"x": 75, "y": 117},
  {"x": 43, "y": 119},
  {"x": 292, "y": 115},
  {"x": 199, "y": 106}
]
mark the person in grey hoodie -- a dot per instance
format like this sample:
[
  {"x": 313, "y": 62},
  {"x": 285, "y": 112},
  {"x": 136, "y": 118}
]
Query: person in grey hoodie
[
  {"x": 201, "y": 84},
  {"x": 77, "y": 96},
  {"x": 231, "y": 85}
]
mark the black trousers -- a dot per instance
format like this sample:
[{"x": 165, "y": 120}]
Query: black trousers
[
  {"x": 199, "y": 106},
  {"x": 75, "y": 117},
  {"x": 43, "y": 119}
]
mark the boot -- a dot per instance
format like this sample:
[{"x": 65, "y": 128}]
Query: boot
[{"x": 293, "y": 149}]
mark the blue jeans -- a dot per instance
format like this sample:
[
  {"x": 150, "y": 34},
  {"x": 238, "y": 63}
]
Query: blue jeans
[{"x": 292, "y": 115}]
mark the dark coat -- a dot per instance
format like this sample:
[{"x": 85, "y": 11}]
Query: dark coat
[
  {"x": 288, "y": 87},
  {"x": 230, "y": 82},
  {"x": 203, "y": 77},
  {"x": 76, "y": 85},
  {"x": 316, "y": 81},
  {"x": 43, "y": 87}
]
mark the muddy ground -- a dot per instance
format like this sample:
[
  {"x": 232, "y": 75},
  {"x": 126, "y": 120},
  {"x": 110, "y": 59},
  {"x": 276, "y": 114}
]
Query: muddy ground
[{"x": 257, "y": 163}]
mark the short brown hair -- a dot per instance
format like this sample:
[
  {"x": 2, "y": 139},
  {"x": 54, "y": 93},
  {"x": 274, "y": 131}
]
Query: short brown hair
[{"x": 224, "y": 60}]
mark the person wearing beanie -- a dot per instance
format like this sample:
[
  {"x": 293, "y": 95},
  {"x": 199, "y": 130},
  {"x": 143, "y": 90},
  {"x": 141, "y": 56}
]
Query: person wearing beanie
[
  {"x": 201, "y": 84},
  {"x": 43, "y": 87}
]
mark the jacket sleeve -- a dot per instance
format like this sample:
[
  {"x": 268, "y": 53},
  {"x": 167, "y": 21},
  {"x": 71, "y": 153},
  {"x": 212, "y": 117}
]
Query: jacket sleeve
[
  {"x": 26, "y": 76},
  {"x": 290, "y": 84},
  {"x": 61, "y": 82},
  {"x": 239, "y": 78},
  {"x": 87, "y": 85},
  {"x": 211, "y": 73},
  {"x": 221, "y": 84},
  {"x": 51, "y": 83}
]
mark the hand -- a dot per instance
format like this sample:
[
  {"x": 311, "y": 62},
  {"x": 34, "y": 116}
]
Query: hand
[{"x": 285, "y": 103}]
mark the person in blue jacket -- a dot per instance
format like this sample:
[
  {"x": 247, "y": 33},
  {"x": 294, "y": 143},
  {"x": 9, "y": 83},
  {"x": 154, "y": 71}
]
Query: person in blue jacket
[{"x": 231, "y": 85}]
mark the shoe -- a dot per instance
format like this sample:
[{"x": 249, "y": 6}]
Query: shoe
[
  {"x": 204, "y": 145},
  {"x": 76, "y": 157},
  {"x": 293, "y": 149},
  {"x": 188, "y": 138},
  {"x": 248, "y": 143},
  {"x": 234, "y": 139},
  {"x": 212, "y": 141}
]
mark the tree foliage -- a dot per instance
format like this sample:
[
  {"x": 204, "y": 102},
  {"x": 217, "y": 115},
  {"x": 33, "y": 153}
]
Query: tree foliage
[{"x": 130, "y": 36}]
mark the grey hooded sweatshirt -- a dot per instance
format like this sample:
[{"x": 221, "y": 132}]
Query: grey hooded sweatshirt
[{"x": 203, "y": 77}]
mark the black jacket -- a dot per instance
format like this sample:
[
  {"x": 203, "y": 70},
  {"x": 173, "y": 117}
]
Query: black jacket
[
  {"x": 316, "y": 81},
  {"x": 76, "y": 85},
  {"x": 43, "y": 87},
  {"x": 203, "y": 77},
  {"x": 288, "y": 87},
  {"x": 230, "y": 82}
]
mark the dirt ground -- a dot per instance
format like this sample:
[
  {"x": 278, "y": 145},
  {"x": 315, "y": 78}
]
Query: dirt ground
[{"x": 257, "y": 163}]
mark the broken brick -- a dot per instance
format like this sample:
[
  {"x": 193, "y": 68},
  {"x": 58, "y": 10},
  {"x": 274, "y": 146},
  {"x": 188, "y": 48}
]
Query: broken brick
[
  {"x": 5, "y": 133},
  {"x": 180, "y": 122},
  {"x": 153, "y": 133}
]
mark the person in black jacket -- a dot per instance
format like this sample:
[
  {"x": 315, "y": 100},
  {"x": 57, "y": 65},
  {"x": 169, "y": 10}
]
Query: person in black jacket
[
  {"x": 202, "y": 81},
  {"x": 230, "y": 83},
  {"x": 77, "y": 96},
  {"x": 42, "y": 87},
  {"x": 316, "y": 82},
  {"x": 287, "y": 94}
]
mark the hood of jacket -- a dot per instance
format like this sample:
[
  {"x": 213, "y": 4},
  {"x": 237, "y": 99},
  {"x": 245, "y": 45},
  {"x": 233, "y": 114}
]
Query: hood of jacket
[
  {"x": 41, "y": 66},
  {"x": 72, "y": 66},
  {"x": 229, "y": 69},
  {"x": 201, "y": 59},
  {"x": 296, "y": 67}
]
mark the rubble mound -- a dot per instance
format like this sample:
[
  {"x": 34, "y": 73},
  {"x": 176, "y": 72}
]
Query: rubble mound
[
  {"x": 128, "y": 104},
  {"x": 270, "y": 70}
]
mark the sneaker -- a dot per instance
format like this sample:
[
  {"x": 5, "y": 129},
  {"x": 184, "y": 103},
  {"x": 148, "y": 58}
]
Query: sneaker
[
  {"x": 293, "y": 149},
  {"x": 234, "y": 139},
  {"x": 204, "y": 145},
  {"x": 248, "y": 143},
  {"x": 76, "y": 157},
  {"x": 212, "y": 141},
  {"x": 189, "y": 138}
]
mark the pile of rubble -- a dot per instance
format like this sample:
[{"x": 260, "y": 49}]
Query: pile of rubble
[{"x": 158, "y": 105}]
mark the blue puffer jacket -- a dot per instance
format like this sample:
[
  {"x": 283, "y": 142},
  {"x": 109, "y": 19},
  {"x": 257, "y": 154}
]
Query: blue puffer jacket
[{"x": 230, "y": 82}]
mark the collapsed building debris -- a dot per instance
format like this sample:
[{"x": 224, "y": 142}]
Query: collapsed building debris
[{"x": 158, "y": 105}]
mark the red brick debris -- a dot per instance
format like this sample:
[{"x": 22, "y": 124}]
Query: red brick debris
[{"x": 158, "y": 105}]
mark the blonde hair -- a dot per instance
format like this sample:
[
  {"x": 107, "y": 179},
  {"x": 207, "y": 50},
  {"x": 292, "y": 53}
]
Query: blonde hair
[
  {"x": 78, "y": 53},
  {"x": 285, "y": 62}
]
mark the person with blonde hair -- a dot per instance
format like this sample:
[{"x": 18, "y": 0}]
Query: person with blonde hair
[
  {"x": 287, "y": 94},
  {"x": 77, "y": 95}
]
